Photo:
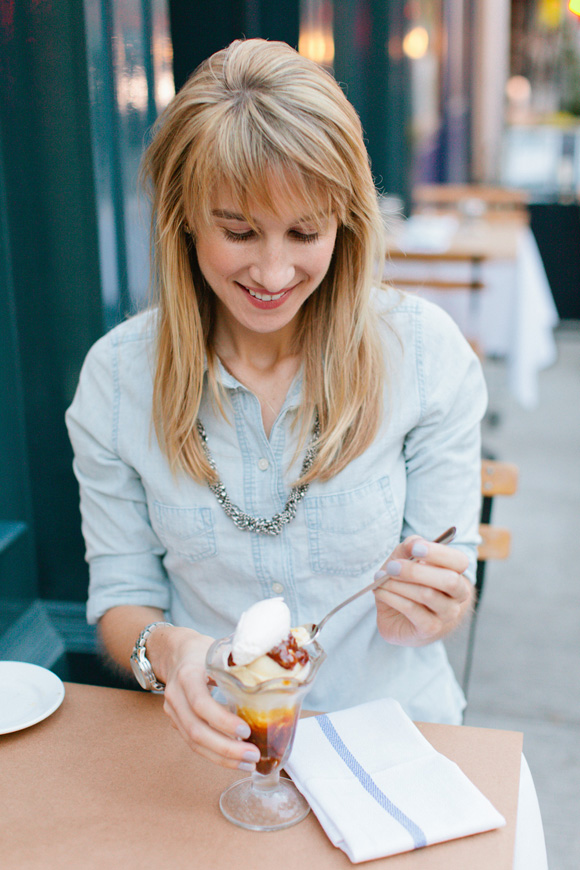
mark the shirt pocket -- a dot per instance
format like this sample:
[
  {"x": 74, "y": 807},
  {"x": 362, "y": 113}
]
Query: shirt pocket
[
  {"x": 351, "y": 532},
  {"x": 185, "y": 532}
]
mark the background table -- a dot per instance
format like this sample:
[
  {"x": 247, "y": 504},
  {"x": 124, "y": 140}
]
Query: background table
[
  {"x": 105, "y": 781},
  {"x": 514, "y": 314}
]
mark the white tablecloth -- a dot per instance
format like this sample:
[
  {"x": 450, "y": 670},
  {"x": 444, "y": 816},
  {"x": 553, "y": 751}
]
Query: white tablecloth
[
  {"x": 512, "y": 317},
  {"x": 530, "y": 846}
]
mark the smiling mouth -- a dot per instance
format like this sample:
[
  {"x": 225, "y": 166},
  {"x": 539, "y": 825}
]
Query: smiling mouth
[{"x": 266, "y": 297}]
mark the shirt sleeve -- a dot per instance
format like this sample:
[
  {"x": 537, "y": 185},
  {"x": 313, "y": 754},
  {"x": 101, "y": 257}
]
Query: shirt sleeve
[
  {"x": 443, "y": 451},
  {"x": 122, "y": 550}
]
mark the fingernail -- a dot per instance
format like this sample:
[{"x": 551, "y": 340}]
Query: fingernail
[
  {"x": 393, "y": 568},
  {"x": 380, "y": 574},
  {"x": 419, "y": 550},
  {"x": 243, "y": 731},
  {"x": 244, "y": 766},
  {"x": 251, "y": 755}
]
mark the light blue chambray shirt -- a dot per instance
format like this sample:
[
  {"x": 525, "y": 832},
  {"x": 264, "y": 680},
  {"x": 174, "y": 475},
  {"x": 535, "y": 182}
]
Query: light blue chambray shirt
[{"x": 162, "y": 540}]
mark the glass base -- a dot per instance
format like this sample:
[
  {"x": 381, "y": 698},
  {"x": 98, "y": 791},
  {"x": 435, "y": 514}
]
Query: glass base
[{"x": 263, "y": 810}]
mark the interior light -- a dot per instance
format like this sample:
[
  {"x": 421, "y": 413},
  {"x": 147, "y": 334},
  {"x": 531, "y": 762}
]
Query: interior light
[
  {"x": 574, "y": 6},
  {"x": 317, "y": 45},
  {"x": 416, "y": 42},
  {"x": 518, "y": 89}
]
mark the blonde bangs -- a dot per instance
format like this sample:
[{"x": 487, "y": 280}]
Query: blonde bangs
[{"x": 237, "y": 158}]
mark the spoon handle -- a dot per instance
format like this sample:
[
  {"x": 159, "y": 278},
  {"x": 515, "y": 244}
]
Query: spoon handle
[{"x": 445, "y": 538}]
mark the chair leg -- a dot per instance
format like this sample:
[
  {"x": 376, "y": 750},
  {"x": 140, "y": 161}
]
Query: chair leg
[
  {"x": 469, "y": 654},
  {"x": 479, "y": 581}
]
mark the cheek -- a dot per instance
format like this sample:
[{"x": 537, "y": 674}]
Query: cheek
[
  {"x": 321, "y": 259},
  {"x": 215, "y": 260}
]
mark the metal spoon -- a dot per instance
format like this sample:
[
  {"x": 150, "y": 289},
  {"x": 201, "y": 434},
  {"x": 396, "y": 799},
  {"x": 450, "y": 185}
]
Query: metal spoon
[{"x": 314, "y": 629}]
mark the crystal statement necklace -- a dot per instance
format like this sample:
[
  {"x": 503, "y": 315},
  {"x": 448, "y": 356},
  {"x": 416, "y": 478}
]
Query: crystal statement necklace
[{"x": 244, "y": 521}]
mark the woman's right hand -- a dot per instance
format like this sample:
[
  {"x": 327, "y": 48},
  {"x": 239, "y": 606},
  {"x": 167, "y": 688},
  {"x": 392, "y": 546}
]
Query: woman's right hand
[{"x": 210, "y": 729}]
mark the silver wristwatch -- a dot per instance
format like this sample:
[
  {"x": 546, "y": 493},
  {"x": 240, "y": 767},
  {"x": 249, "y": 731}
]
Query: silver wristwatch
[{"x": 141, "y": 665}]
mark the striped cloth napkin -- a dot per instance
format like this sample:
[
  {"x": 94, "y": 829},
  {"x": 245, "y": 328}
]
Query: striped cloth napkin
[{"x": 378, "y": 787}]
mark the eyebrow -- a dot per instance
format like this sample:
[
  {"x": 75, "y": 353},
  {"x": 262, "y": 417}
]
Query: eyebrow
[
  {"x": 233, "y": 216},
  {"x": 228, "y": 215}
]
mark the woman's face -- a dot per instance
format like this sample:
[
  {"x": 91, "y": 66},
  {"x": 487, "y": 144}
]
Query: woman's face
[{"x": 263, "y": 276}]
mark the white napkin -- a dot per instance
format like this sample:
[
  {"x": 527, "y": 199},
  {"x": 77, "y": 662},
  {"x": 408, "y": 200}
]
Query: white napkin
[{"x": 378, "y": 787}]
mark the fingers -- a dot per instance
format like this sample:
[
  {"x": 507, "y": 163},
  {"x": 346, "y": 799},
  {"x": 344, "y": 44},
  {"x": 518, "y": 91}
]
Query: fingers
[
  {"x": 435, "y": 554},
  {"x": 416, "y": 550},
  {"x": 407, "y": 574},
  {"x": 208, "y": 727},
  {"x": 446, "y": 607},
  {"x": 419, "y": 625},
  {"x": 425, "y": 585},
  {"x": 424, "y": 613}
]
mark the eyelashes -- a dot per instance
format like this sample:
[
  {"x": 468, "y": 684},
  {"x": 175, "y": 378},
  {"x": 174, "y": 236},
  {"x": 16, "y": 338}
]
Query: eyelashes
[{"x": 307, "y": 238}]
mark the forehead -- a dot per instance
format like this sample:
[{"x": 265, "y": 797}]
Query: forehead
[{"x": 226, "y": 203}]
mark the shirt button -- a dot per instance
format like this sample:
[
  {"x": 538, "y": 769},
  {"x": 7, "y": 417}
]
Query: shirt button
[
  {"x": 277, "y": 588},
  {"x": 263, "y": 464}
]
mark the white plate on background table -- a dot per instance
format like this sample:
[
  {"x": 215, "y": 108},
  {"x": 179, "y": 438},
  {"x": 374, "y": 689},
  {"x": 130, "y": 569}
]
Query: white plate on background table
[{"x": 28, "y": 694}]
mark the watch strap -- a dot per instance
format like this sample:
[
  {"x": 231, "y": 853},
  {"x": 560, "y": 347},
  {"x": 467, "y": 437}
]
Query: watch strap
[{"x": 143, "y": 663}]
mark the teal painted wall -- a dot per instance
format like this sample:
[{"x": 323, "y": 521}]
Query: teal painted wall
[
  {"x": 50, "y": 230},
  {"x": 374, "y": 72}
]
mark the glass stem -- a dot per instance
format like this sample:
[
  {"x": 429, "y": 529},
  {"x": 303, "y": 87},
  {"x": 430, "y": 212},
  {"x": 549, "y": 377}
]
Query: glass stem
[{"x": 265, "y": 782}]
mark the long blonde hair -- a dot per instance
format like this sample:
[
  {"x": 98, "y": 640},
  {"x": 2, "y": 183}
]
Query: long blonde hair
[{"x": 251, "y": 111}]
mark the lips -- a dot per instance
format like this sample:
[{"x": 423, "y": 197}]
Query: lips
[{"x": 266, "y": 301}]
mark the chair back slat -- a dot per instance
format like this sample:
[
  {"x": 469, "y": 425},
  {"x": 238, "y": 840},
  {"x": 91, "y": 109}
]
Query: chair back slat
[
  {"x": 495, "y": 544},
  {"x": 498, "y": 478}
]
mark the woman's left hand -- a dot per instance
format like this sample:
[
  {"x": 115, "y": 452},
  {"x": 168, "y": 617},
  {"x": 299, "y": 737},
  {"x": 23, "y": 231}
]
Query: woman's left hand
[{"x": 422, "y": 601}]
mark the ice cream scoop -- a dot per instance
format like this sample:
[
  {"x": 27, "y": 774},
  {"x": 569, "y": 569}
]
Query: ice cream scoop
[
  {"x": 260, "y": 627},
  {"x": 264, "y": 647},
  {"x": 285, "y": 660}
]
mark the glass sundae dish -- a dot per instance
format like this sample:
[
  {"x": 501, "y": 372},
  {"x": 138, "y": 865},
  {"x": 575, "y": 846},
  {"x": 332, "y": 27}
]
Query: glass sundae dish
[{"x": 265, "y": 673}]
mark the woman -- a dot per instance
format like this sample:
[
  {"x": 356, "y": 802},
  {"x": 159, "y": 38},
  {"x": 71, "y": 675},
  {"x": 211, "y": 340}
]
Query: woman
[{"x": 341, "y": 422}]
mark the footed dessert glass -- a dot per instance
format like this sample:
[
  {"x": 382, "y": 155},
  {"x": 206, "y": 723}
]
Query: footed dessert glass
[{"x": 265, "y": 801}]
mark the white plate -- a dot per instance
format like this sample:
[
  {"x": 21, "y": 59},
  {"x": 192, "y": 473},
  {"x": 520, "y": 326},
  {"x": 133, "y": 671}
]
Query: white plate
[{"x": 28, "y": 694}]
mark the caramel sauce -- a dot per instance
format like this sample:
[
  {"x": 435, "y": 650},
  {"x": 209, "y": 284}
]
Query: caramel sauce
[
  {"x": 272, "y": 732},
  {"x": 288, "y": 654}
]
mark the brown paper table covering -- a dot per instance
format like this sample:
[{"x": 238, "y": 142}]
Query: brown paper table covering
[{"x": 106, "y": 782}]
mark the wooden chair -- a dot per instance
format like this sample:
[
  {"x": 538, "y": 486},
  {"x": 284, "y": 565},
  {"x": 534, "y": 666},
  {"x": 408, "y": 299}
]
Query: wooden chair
[
  {"x": 470, "y": 281},
  {"x": 497, "y": 478}
]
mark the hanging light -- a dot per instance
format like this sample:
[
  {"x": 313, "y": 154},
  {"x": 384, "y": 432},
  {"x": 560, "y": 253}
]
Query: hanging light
[
  {"x": 574, "y": 6},
  {"x": 416, "y": 43}
]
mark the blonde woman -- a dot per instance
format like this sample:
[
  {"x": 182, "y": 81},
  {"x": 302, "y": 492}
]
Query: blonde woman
[{"x": 277, "y": 423}]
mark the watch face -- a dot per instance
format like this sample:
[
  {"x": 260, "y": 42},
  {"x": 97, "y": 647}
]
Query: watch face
[{"x": 138, "y": 673}]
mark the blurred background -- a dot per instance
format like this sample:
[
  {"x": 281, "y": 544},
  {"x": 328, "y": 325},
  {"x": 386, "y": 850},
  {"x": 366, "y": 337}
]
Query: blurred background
[{"x": 471, "y": 112}]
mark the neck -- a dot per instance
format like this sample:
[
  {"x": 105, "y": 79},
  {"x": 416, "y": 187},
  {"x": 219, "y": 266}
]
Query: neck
[{"x": 254, "y": 350}]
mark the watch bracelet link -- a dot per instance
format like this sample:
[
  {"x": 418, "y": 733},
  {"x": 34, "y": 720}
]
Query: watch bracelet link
[{"x": 144, "y": 663}]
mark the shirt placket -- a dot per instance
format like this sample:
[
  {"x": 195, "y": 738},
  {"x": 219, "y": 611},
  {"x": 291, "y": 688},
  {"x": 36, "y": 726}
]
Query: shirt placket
[{"x": 265, "y": 492}]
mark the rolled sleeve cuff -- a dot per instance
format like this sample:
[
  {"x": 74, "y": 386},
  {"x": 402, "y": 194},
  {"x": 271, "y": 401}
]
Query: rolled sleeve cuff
[{"x": 126, "y": 580}]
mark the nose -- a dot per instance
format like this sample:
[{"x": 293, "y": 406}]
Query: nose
[{"x": 272, "y": 268}]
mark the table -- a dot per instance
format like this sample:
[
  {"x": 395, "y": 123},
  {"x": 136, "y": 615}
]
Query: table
[
  {"x": 105, "y": 781},
  {"x": 513, "y": 316}
]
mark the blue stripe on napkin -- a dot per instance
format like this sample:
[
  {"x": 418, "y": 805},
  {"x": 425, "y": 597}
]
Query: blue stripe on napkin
[{"x": 368, "y": 783}]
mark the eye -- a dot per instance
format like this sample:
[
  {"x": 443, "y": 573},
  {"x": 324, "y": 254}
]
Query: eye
[
  {"x": 238, "y": 237},
  {"x": 304, "y": 237}
]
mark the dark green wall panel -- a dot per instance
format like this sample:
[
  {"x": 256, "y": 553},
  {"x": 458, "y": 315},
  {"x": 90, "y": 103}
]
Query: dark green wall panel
[
  {"x": 52, "y": 238},
  {"x": 199, "y": 28}
]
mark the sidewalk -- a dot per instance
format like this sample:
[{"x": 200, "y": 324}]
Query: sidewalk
[{"x": 526, "y": 671}]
